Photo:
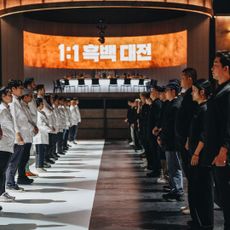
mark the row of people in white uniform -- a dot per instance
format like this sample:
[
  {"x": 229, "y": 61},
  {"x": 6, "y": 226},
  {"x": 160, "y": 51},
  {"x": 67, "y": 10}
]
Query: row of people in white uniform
[{"x": 45, "y": 121}]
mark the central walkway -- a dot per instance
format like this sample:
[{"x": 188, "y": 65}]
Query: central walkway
[{"x": 62, "y": 198}]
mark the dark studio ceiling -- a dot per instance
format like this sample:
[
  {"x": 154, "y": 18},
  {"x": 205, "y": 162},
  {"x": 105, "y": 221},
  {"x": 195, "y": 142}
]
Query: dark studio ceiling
[{"x": 109, "y": 15}]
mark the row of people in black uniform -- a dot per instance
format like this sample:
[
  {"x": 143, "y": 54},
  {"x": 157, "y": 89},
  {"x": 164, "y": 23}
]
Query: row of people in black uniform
[{"x": 185, "y": 127}]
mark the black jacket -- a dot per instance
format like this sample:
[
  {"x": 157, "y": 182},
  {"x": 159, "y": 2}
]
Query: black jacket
[
  {"x": 196, "y": 132},
  {"x": 217, "y": 125},
  {"x": 132, "y": 115},
  {"x": 143, "y": 116},
  {"x": 184, "y": 115},
  {"x": 154, "y": 115},
  {"x": 167, "y": 135},
  {"x": 162, "y": 114}
]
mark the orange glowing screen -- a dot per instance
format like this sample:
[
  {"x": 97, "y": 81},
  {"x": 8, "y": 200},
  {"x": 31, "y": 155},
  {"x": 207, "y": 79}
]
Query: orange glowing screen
[{"x": 154, "y": 51}]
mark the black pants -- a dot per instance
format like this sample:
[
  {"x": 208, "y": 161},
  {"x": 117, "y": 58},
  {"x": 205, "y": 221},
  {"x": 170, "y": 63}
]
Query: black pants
[
  {"x": 4, "y": 160},
  {"x": 60, "y": 142},
  {"x": 24, "y": 160},
  {"x": 153, "y": 157},
  {"x": 222, "y": 183},
  {"x": 143, "y": 137},
  {"x": 200, "y": 196},
  {"x": 13, "y": 164},
  {"x": 51, "y": 149},
  {"x": 185, "y": 156},
  {"x": 40, "y": 155},
  {"x": 73, "y": 133},
  {"x": 65, "y": 138},
  {"x": 136, "y": 138}
]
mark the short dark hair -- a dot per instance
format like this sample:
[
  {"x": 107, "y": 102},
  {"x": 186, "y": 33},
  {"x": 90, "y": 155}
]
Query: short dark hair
[
  {"x": 39, "y": 101},
  {"x": 203, "y": 84},
  {"x": 28, "y": 81},
  {"x": 48, "y": 99},
  {"x": 3, "y": 91},
  {"x": 55, "y": 97},
  {"x": 14, "y": 84},
  {"x": 40, "y": 87},
  {"x": 145, "y": 95},
  {"x": 190, "y": 72},
  {"x": 224, "y": 58}
]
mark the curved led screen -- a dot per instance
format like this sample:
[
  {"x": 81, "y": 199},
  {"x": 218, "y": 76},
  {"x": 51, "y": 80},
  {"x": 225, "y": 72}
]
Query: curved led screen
[{"x": 156, "y": 51}]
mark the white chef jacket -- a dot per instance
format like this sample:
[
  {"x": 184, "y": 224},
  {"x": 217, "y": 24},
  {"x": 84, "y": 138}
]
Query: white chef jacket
[
  {"x": 20, "y": 119},
  {"x": 7, "y": 125},
  {"x": 75, "y": 115},
  {"x": 42, "y": 136}
]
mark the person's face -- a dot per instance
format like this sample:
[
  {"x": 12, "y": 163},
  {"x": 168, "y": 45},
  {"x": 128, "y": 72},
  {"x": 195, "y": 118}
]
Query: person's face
[
  {"x": 154, "y": 93},
  {"x": 169, "y": 94},
  {"x": 142, "y": 99},
  {"x": 61, "y": 102},
  {"x": 195, "y": 93},
  {"x": 56, "y": 103},
  {"x": 162, "y": 96},
  {"x": 148, "y": 101},
  {"x": 27, "y": 98},
  {"x": 42, "y": 91},
  {"x": 33, "y": 85},
  {"x": 7, "y": 98},
  {"x": 217, "y": 69},
  {"x": 72, "y": 103},
  {"x": 41, "y": 106},
  {"x": 17, "y": 91},
  {"x": 185, "y": 81}
]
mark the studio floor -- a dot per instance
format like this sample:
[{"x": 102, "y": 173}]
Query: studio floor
[{"x": 96, "y": 185}]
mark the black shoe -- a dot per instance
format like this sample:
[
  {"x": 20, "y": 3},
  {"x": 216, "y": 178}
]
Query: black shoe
[
  {"x": 143, "y": 155},
  {"x": 50, "y": 161},
  {"x": 153, "y": 174},
  {"x": 25, "y": 181},
  {"x": 166, "y": 188},
  {"x": 61, "y": 153},
  {"x": 0, "y": 208},
  {"x": 173, "y": 196}
]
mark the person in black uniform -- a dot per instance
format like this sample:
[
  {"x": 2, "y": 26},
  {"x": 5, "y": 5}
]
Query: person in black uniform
[
  {"x": 164, "y": 174},
  {"x": 200, "y": 183},
  {"x": 129, "y": 120},
  {"x": 185, "y": 114},
  {"x": 153, "y": 118},
  {"x": 143, "y": 117},
  {"x": 217, "y": 131},
  {"x": 167, "y": 140}
]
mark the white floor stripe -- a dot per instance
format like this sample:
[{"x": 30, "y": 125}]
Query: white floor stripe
[{"x": 63, "y": 197}]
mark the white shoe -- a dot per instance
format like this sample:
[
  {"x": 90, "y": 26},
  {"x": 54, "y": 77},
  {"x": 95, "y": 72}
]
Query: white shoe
[
  {"x": 183, "y": 208},
  {"x": 186, "y": 211},
  {"x": 5, "y": 197},
  {"x": 162, "y": 180},
  {"x": 131, "y": 143},
  {"x": 40, "y": 170}
]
